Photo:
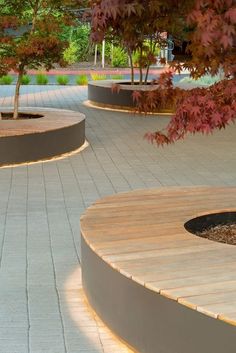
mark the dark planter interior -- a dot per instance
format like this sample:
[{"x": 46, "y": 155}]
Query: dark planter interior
[
  {"x": 136, "y": 83},
  {"x": 21, "y": 116},
  {"x": 199, "y": 224}
]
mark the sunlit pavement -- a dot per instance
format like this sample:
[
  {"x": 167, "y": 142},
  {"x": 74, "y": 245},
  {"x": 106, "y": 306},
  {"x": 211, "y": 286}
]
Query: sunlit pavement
[{"x": 42, "y": 306}]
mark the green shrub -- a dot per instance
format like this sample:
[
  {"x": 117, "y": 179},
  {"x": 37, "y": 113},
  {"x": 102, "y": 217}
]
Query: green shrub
[
  {"x": 147, "y": 50},
  {"x": 81, "y": 38},
  {"x": 117, "y": 77},
  {"x": 108, "y": 51},
  {"x": 70, "y": 54},
  {"x": 78, "y": 35},
  {"x": 97, "y": 77},
  {"x": 6, "y": 80},
  {"x": 206, "y": 80},
  {"x": 41, "y": 79},
  {"x": 82, "y": 80},
  {"x": 62, "y": 79},
  {"x": 25, "y": 80},
  {"x": 120, "y": 57},
  {"x": 135, "y": 58}
]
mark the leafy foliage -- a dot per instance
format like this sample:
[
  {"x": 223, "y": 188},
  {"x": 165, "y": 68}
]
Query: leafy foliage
[
  {"x": 198, "y": 110},
  {"x": 209, "y": 26},
  {"x": 82, "y": 80},
  {"x": 97, "y": 77},
  {"x": 212, "y": 38},
  {"x": 41, "y": 79},
  {"x": 27, "y": 40},
  {"x": 70, "y": 53},
  {"x": 25, "y": 80},
  {"x": 149, "y": 55},
  {"x": 30, "y": 35},
  {"x": 78, "y": 36},
  {"x": 82, "y": 40},
  {"x": 109, "y": 47},
  {"x": 117, "y": 77},
  {"x": 62, "y": 80},
  {"x": 120, "y": 57},
  {"x": 132, "y": 22},
  {"x": 205, "y": 80},
  {"x": 6, "y": 80}
]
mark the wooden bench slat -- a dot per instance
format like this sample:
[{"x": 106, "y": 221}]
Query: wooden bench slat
[{"x": 141, "y": 234}]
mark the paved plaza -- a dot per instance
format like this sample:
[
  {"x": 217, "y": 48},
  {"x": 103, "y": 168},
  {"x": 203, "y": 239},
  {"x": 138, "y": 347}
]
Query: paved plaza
[{"x": 42, "y": 306}]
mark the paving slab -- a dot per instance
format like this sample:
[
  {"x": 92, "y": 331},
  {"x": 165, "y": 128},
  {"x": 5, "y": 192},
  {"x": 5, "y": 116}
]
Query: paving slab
[{"x": 41, "y": 297}]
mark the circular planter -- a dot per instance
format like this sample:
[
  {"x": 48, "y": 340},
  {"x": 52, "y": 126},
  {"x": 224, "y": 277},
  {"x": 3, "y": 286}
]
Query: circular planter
[
  {"x": 101, "y": 94},
  {"x": 55, "y": 133},
  {"x": 157, "y": 286},
  {"x": 203, "y": 222},
  {"x": 220, "y": 227}
]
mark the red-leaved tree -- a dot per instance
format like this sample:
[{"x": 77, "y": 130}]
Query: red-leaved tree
[
  {"x": 213, "y": 48},
  {"x": 30, "y": 35},
  {"x": 133, "y": 22},
  {"x": 210, "y": 28}
]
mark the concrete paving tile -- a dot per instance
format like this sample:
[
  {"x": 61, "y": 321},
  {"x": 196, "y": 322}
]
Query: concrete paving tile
[{"x": 40, "y": 237}]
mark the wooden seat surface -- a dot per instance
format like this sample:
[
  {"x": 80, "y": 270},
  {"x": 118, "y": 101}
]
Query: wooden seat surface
[
  {"x": 141, "y": 234},
  {"x": 53, "y": 119}
]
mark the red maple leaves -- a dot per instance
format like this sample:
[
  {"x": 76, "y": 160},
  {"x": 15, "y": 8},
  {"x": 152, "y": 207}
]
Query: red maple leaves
[
  {"x": 199, "y": 110},
  {"x": 212, "y": 38},
  {"x": 115, "y": 88},
  {"x": 31, "y": 36},
  {"x": 137, "y": 26}
]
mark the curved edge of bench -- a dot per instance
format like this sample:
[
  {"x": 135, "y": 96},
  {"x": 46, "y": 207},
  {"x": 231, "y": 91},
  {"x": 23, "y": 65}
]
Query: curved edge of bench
[
  {"x": 146, "y": 320},
  {"x": 51, "y": 142}
]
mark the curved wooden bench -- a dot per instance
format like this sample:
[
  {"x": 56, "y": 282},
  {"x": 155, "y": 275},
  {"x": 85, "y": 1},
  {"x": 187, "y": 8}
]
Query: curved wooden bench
[
  {"x": 57, "y": 132},
  {"x": 157, "y": 286},
  {"x": 101, "y": 95}
]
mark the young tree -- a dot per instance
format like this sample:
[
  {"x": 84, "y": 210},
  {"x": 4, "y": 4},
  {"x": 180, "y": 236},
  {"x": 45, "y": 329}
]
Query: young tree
[
  {"x": 133, "y": 22},
  {"x": 210, "y": 28},
  {"x": 213, "y": 48},
  {"x": 30, "y": 36}
]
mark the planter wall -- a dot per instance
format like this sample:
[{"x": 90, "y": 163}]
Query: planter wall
[
  {"x": 100, "y": 93},
  {"x": 157, "y": 286}
]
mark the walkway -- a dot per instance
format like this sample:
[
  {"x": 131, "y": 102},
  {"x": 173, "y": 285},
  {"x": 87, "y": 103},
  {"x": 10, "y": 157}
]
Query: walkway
[{"x": 42, "y": 308}]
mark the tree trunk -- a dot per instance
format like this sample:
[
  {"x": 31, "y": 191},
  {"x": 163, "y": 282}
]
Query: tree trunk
[
  {"x": 22, "y": 65},
  {"x": 152, "y": 50},
  {"x": 17, "y": 95},
  {"x": 140, "y": 74},
  {"x": 147, "y": 73},
  {"x": 132, "y": 68},
  {"x": 140, "y": 66}
]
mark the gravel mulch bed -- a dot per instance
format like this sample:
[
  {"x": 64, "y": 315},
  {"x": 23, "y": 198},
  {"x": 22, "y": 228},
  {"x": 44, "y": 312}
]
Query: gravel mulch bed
[{"x": 223, "y": 233}]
